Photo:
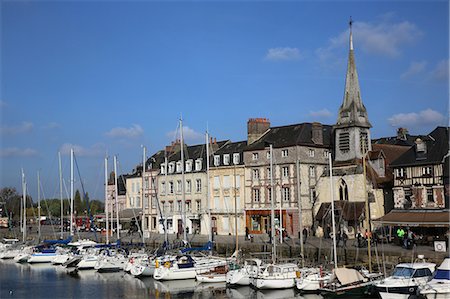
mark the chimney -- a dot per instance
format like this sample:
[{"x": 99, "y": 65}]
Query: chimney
[
  {"x": 402, "y": 133},
  {"x": 256, "y": 127},
  {"x": 317, "y": 133},
  {"x": 173, "y": 147}
]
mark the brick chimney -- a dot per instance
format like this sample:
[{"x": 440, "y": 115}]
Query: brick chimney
[
  {"x": 256, "y": 127},
  {"x": 317, "y": 133},
  {"x": 173, "y": 147},
  {"x": 402, "y": 133}
]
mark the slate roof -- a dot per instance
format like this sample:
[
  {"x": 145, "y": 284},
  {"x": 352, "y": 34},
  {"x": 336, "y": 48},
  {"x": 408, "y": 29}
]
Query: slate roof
[
  {"x": 291, "y": 135},
  {"x": 230, "y": 148},
  {"x": 437, "y": 148}
]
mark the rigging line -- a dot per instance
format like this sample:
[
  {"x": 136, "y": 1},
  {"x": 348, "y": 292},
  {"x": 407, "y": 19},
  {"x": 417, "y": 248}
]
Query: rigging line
[
  {"x": 48, "y": 210},
  {"x": 99, "y": 179},
  {"x": 86, "y": 199},
  {"x": 133, "y": 209}
]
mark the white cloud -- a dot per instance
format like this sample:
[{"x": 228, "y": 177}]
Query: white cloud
[
  {"x": 321, "y": 113},
  {"x": 19, "y": 129},
  {"x": 416, "y": 67},
  {"x": 96, "y": 150},
  {"x": 382, "y": 38},
  {"x": 413, "y": 119},
  {"x": 440, "y": 72},
  {"x": 283, "y": 54},
  {"x": 189, "y": 135},
  {"x": 17, "y": 152},
  {"x": 52, "y": 125},
  {"x": 132, "y": 132}
]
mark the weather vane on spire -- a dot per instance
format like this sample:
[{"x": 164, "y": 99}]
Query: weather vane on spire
[{"x": 350, "y": 22}]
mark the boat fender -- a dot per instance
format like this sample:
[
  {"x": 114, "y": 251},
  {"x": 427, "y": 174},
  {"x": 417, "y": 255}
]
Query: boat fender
[
  {"x": 167, "y": 264},
  {"x": 156, "y": 264},
  {"x": 298, "y": 274}
]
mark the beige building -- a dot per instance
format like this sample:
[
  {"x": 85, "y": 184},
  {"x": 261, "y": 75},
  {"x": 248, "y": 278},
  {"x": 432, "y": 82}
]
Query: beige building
[{"x": 226, "y": 195}]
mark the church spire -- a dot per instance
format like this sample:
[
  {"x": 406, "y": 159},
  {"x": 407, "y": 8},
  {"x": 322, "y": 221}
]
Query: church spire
[{"x": 352, "y": 111}]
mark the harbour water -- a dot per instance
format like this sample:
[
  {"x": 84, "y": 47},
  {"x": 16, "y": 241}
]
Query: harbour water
[{"x": 48, "y": 281}]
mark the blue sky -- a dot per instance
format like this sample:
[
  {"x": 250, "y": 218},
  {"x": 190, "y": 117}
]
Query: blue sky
[{"x": 106, "y": 77}]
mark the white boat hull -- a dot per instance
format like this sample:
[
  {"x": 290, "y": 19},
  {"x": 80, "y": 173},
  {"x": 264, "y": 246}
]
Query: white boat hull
[
  {"x": 142, "y": 270},
  {"x": 42, "y": 258},
  {"x": 210, "y": 278},
  {"x": 272, "y": 283},
  {"x": 22, "y": 258},
  {"x": 87, "y": 264},
  {"x": 238, "y": 277}
]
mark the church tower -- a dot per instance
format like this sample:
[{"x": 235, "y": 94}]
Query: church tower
[{"x": 352, "y": 130}]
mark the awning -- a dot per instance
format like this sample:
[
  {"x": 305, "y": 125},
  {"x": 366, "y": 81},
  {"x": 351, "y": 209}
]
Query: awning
[
  {"x": 417, "y": 218},
  {"x": 348, "y": 210}
]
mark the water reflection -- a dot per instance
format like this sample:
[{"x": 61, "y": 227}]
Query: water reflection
[{"x": 40, "y": 278}]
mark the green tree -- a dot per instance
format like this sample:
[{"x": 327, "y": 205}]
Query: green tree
[{"x": 78, "y": 204}]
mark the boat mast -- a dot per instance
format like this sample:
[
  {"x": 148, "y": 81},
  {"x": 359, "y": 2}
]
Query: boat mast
[
  {"x": 332, "y": 210},
  {"x": 207, "y": 188},
  {"x": 166, "y": 236},
  {"x": 117, "y": 199},
  {"x": 235, "y": 210},
  {"x": 24, "y": 207},
  {"x": 183, "y": 199},
  {"x": 71, "y": 191},
  {"x": 39, "y": 207},
  {"x": 106, "y": 200},
  {"x": 274, "y": 248},
  {"x": 61, "y": 195},
  {"x": 143, "y": 192},
  {"x": 367, "y": 214},
  {"x": 300, "y": 218}
]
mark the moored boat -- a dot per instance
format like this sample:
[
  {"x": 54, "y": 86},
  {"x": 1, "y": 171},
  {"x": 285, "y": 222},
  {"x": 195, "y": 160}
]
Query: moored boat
[
  {"x": 439, "y": 286},
  {"x": 277, "y": 276}
]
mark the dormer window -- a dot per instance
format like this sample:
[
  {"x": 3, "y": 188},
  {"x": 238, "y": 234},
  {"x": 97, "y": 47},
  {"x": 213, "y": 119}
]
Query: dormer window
[
  {"x": 226, "y": 159},
  {"x": 426, "y": 171},
  {"x": 188, "y": 165},
  {"x": 198, "y": 164},
  {"x": 255, "y": 156},
  {"x": 216, "y": 160},
  {"x": 171, "y": 167},
  {"x": 236, "y": 159},
  {"x": 179, "y": 166},
  {"x": 311, "y": 153},
  {"x": 268, "y": 155},
  {"x": 163, "y": 168},
  {"x": 284, "y": 153}
]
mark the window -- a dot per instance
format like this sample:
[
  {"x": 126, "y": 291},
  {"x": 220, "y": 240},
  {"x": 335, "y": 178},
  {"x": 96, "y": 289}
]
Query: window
[
  {"x": 170, "y": 206},
  {"x": 269, "y": 194},
  {"x": 343, "y": 190},
  {"x": 198, "y": 184},
  {"x": 179, "y": 166},
  {"x": 171, "y": 167},
  {"x": 146, "y": 183},
  {"x": 133, "y": 187},
  {"x": 179, "y": 206},
  {"x": 364, "y": 141},
  {"x": 226, "y": 182},
  {"x": 179, "y": 186},
  {"x": 163, "y": 187},
  {"x": 286, "y": 193},
  {"x": 284, "y": 153},
  {"x": 216, "y": 183},
  {"x": 344, "y": 141},
  {"x": 325, "y": 154},
  {"x": 268, "y": 173},
  {"x": 163, "y": 204},
  {"x": 188, "y": 186},
  {"x": 199, "y": 205},
  {"x": 226, "y": 159},
  {"x": 400, "y": 172},
  {"x": 430, "y": 195},
  {"x": 285, "y": 171},
  {"x": 171, "y": 187},
  {"x": 256, "y": 195},
  {"x": 188, "y": 206},
  {"x": 255, "y": 156},
  {"x": 268, "y": 155},
  {"x": 198, "y": 164},
  {"x": 216, "y": 160},
  {"x": 188, "y": 165},
  {"x": 426, "y": 171},
  {"x": 238, "y": 181},
  {"x": 312, "y": 171},
  {"x": 236, "y": 159},
  {"x": 313, "y": 195},
  {"x": 311, "y": 153},
  {"x": 255, "y": 174},
  {"x": 163, "y": 168}
]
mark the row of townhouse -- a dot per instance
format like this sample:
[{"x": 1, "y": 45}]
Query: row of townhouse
[{"x": 238, "y": 191}]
